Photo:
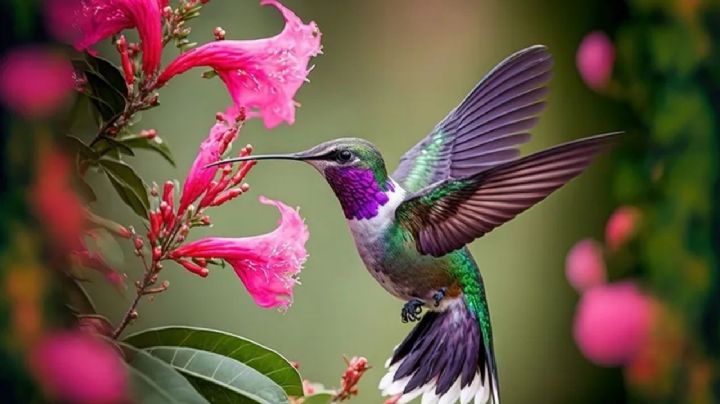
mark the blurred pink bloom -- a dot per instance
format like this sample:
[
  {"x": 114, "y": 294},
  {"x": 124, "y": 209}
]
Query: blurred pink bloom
[
  {"x": 268, "y": 264},
  {"x": 35, "y": 82},
  {"x": 584, "y": 265},
  {"x": 262, "y": 75},
  {"x": 612, "y": 323},
  {"x": 77, "y": 368},
  {"x": 621, "y": 226},
  {"x": 59, "y": 209},
  {"x": 95, "y": 261},
  {"x": 199, "y": 178},
  {"x": 595, "y": 59},
  {"x": 86, "y": 22}
]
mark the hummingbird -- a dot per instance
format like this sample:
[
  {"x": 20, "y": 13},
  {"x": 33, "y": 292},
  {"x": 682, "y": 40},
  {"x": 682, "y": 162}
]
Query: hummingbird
[{"x": 412, "y": 227}]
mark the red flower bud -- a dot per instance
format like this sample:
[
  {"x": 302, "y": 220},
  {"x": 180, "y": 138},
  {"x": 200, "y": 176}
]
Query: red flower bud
[
  {"x": 127, "y": 65},
  {"x": 194, "y": 268},
  {"x": 219, "y": 33},
  {"x": 157, "y": 253}
]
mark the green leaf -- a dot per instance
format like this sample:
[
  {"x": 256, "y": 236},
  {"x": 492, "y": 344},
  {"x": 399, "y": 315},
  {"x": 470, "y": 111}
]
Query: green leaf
[
  {"x": 78, "y": 299},
  {"x": 80, "y": 148},
  {"x": 319, "y": 398},
  {"x": 156, "y": 381},
  {"x": 156, "y": 144},
  {"x": 106, "y": 85},
  {"x": 219, "y": 378},
  {"x": 264, "y": 360},
  {"x": 128, "y": 185},
  {"x": 106, "y": 144}
]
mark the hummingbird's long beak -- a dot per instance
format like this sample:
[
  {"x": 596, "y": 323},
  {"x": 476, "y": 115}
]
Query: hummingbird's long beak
[{"x": 291, "y": 156}]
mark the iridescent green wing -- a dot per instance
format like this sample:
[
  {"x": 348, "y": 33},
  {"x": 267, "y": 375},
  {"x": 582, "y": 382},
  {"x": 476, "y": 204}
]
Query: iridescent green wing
[
  {"x": 486, "y": 128},
  {"x": 452, "y": 213}
]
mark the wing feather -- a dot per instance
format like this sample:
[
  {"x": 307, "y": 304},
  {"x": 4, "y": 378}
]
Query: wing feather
[
  {"x": 488, "y": 126},
  {"x": 449, "y": 214}
]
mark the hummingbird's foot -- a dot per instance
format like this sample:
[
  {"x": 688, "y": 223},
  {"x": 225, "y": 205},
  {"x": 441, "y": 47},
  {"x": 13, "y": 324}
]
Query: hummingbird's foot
[
  {"x": 438, "y": 296},
  {"x": 411, "y": 310}
]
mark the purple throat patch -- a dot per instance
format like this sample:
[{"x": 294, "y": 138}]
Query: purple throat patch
[{"x": 358, "y": 191}]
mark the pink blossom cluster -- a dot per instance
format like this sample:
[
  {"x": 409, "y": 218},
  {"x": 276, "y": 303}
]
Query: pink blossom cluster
[
  {"x": 613, "y": 321},
  {"x": 595, "y": 59},
  {"x": 262, "y": 77}
]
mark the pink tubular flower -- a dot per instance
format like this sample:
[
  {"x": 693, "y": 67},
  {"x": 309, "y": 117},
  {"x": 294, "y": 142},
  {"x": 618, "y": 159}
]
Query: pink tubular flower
[
  {"x": 199, "y": 177},
  {"x": 621, "y": 226},
  {"x": 268, "y": 265},
  {"x": 584, "y": 265},
  {"x": 261, "y": 75},
  {"x": 34, "y": 82},
  {"x": 86, "y": 22},
  {"x": 77, "y": 368},
  {"x": 595, "y": 59},
  {"x": 612, "y": 323}
]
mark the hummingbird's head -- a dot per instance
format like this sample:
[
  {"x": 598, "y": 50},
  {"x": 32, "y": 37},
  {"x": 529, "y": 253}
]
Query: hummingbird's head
[{"x": 353, "y": 167}]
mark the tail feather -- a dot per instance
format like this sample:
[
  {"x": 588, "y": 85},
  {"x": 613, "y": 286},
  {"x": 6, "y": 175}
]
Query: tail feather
[{"x": 444, "y": 359}]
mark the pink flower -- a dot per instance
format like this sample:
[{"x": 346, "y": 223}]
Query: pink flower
[
  {"x": 34, "y": 82},
  {"x": 261, "y": 75},
  {"x": 86, "y": 22},
  {"x": 59, "y": 209},
  {"x": 199, "y": 177},
  {"x": 621, "y": 226},
  {"x": 595, "y": 59},
  {"x": 77, "y": 368},
  {"x": 612, "y": 323},
  {"x": 268, "y": 265},
  {"x": 584, "y": 265}
]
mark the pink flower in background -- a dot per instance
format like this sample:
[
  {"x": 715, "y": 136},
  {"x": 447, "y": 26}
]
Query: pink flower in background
[
  {"x": 86, "y": 22},
  {"x": 268, "y": 265},
  {"x": 199, "y": 177},
  {"x": 584, "y": 265},
  {"x": 75, "y": 367},
  {"x": 34, "y": 82},
  {"x": 58, "y": 208},
  {"x": 612, "y": 323},
  {"x": 621, "y": 226},
  {"x": 261, "y": 75},
  {"x": 595, "y": 59}
]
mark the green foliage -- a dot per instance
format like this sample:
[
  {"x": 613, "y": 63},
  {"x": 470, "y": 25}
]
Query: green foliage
[
  {"x": 156, "y": 381},
  {"x": 106, "y": 87},
  {"x": 665, "y": 70},
  {"x": 222, "y": 367},
  {"x": 128, "y": 184},
  {"x": 262, "y": 359},
  {"x": 156, "y": 144},
  {"x": 217, "y": 376}
]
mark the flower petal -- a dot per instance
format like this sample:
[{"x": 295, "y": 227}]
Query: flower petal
[
  {"x": 268, "y": 264},
  {"x": 90, "y": 21},
  {"x": 199, "y": 177},
  {"x": 261, "y": 75}
]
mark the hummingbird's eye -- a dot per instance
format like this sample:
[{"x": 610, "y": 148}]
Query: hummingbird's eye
[{"x": 343, "y": 156}]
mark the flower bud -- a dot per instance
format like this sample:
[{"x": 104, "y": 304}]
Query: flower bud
[
  {"x": 156, "y": 253},
  {"x": 149, "y": 134},
  {"x": 194, "y": 268},
  {"x": 219, "y": 33}
]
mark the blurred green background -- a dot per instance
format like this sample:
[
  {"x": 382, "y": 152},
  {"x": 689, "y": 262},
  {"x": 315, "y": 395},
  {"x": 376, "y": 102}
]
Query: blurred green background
[{"x": 390, "y": 71}]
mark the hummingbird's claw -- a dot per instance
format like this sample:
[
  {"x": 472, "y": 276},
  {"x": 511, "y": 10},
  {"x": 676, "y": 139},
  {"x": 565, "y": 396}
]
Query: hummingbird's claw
[
  {"x": 411, "y": 310},
  {"x": 438, "y": 296}
]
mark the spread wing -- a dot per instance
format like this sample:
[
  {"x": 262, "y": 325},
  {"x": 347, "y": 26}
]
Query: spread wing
[
  {"x": 452, "y": 213},
  {"x": 486, "y": 128}
]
